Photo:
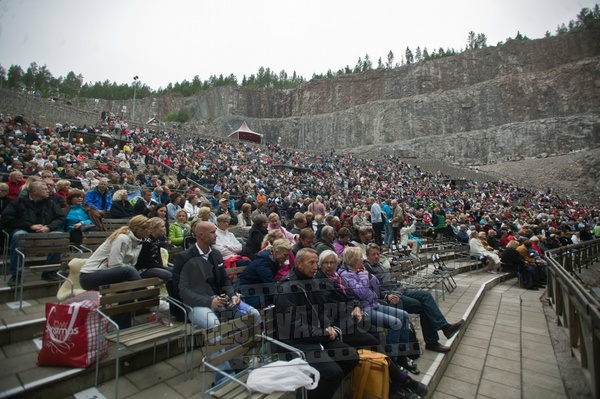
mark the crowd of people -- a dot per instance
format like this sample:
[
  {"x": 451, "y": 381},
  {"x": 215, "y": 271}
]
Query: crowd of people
[{"x": 312, "y": 229}]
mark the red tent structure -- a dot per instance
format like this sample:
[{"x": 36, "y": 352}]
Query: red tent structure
[{"x": 244, "y": 133}]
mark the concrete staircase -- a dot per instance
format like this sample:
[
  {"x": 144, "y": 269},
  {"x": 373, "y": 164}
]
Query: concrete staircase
[{"x": 21, "y": 328}]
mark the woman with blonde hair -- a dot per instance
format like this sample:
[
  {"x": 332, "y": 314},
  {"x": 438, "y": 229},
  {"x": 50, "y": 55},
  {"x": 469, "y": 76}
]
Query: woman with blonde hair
[
  {"x": 121, "y": 207},
  {"x": 63, "y": 187},
  {"x": 114, "y": 260},
  {"x": 205, "y": 214},
  {"x": 275, "y": 224},
  {"x": 244, "y": 217},
  {"x": 258, "y": 280},
  {"x": 25, "y": 187},
  {"x": 179, "y": 230},
  {"x": 268, "y": 242},
  {"x": 150, "y": 261},
  {"x": 365, "y": 288}
]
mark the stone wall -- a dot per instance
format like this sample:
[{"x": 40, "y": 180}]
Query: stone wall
[{"x": 523, "y": 99}]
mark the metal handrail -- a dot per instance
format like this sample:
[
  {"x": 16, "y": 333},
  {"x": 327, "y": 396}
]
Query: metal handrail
[{"x": 576, "y": 308}]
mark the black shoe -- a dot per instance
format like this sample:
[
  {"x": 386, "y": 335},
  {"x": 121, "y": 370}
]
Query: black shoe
[
  {"x": 533, "y": 288},
  {"x": 408, "y": 366},
  {"x": 50, "y": 276},
  {"x": 453, "y": 328},
  {"x": 437, "y": 347},
  {"x": 402, "y": 393},
  {"x": 12, "y": 281},
  {"x": 417, "y": 387}
]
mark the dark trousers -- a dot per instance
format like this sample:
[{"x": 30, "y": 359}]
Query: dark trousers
[
  {"x": 422, "y": 303},
  {"x": 377, "y": 228},
  {"x": 334, "y": 363}
]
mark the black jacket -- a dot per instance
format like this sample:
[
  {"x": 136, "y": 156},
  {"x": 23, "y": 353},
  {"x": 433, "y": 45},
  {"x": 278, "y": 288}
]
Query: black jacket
[
  {"x": 196, "y": 281},
  {"x": 121, "y": 210},
  {"x": 300, "y": 310},
  {"x": 140, "y": 207},
  {"x": 22, "y": 213},
  {"x": 254, "y": 241}
]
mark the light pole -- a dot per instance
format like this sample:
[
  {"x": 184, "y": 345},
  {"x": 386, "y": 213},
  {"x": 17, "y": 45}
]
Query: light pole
[{"x": 135, "y": 82}]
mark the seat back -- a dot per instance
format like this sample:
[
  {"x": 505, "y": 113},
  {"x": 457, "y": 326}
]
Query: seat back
[
  {"x": 93, "y": 239},
  {"x": 129, "y": 296}
]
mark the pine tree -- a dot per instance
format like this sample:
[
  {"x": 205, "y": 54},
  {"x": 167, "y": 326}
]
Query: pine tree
[
  {"x": 390, "y": 60},
  {"x": 408, "y": 56},
  {"x": 418, "y": 55}
]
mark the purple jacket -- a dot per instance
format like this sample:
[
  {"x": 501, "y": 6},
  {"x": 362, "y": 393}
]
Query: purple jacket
[{"x": 364, "y": 286}]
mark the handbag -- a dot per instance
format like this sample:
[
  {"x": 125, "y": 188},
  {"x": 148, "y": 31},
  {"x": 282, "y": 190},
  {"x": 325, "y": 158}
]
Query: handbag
[
  {"x": 371, "y": 377},
  {"x": 71, "y": 332},
  {"x": 284, "y": 376}
]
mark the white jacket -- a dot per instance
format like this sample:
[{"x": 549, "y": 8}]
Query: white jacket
[
  {"x": 227, "y": 244},
  {"x": 122, "y": 251}
]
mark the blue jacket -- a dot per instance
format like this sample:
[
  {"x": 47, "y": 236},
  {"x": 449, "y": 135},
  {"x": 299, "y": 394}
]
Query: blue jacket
[
  {"x": 94, "y": 198},
  {"x": 257, "y": 281}
]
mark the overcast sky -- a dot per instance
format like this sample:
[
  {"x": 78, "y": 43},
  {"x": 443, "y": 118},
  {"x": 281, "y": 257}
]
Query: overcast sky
[{"x": 164, "y": 41}]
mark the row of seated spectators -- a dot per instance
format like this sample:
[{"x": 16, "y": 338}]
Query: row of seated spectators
[{"x": 245, "y": 174}]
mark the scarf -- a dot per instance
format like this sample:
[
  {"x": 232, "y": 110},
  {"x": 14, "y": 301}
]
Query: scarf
[{"x": 337, "y": 280}]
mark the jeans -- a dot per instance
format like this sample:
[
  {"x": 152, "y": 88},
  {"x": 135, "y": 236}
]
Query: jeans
[
  {"x": 91, "y": 281},
  {"x": 52, "y": 258},
  {"x": 163, "y": 274},
  {"x": 207, "y": 318},
  {"x": 388, "y": 231},
  {"x": 423, "y": 304},
  {"x": 396, "y": 321}
]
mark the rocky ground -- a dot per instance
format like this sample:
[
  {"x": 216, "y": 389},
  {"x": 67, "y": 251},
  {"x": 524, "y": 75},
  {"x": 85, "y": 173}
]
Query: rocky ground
[{"x": 576, "y": 174}]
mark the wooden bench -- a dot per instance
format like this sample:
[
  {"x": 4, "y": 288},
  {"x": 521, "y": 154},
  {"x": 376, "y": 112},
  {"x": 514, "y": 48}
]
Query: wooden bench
[
  {"x": 113, "y": 224},
  {"x": 127, "y": 298},
  {"x": 33, "y": 250},
  {"x": 93, "y": 239},
  {"x": 242, "y": 338}
]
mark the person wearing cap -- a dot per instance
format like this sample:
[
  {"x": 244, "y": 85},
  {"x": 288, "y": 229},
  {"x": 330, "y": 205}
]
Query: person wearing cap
[{"x": 225, "y": 209}]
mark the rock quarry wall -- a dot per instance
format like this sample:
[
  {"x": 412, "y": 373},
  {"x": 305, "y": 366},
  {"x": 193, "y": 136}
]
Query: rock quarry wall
[{"x": 526, "y": 98}]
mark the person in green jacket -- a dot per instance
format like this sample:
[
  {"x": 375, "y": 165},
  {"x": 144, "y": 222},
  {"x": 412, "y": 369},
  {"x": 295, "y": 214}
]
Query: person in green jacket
[{"x": 179, "y": 230}]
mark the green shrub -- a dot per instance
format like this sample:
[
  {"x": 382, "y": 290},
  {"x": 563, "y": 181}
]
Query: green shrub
[{"x": 182, "y": 115}]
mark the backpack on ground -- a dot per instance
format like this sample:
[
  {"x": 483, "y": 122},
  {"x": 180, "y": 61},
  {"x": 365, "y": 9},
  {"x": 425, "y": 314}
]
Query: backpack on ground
[{"x": 371, "y": 377}]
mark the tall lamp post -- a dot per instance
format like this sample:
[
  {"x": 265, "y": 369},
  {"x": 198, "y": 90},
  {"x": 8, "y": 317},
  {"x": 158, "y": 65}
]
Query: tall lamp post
[{"x": 135, "y": 83}]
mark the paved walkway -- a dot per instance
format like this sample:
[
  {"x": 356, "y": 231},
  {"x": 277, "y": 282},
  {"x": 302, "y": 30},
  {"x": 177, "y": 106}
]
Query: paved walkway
[{"x": 503, "y": 352}]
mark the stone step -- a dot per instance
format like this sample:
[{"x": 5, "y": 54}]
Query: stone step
[
  {"x": 27, "y": 380},
  {"x": 24, "y": 324},
  {"x": 34, "y": 288}
]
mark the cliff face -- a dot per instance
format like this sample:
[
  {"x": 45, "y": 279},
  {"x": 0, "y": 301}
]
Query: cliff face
[{"x": 523, "y": 99}]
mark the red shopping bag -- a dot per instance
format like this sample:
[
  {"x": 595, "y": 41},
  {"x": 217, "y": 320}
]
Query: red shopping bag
[{"x": 71, "y": 332}]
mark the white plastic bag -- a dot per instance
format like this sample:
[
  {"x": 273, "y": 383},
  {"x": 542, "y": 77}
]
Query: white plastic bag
[{"x": 284, "y": 376}]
